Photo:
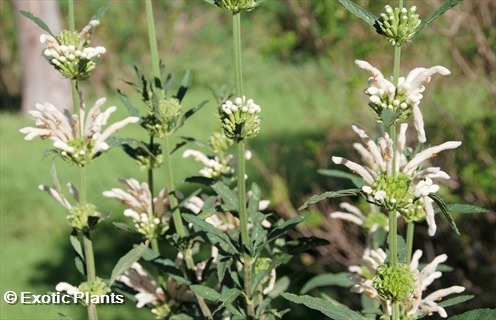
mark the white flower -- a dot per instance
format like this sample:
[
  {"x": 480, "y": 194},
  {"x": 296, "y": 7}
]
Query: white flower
[
  {"x": 371, "y": 221},
  {"x": 74, "y": 140},
  {"x": 397, "y": 185},
  {"x": 138, "y": 199},
  {"x": 422, "y": 306},
  {"x": 140, "y": 280},
  {"x": 364, "y": 273},
  {"x": 67, "y": 287},
  {"x": 405, "y": 98},
  {"x": 215, "y": 167}
]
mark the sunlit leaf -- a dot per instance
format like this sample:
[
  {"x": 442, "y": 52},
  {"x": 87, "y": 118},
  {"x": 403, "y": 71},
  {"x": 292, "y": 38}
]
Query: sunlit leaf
[
  {"x": 359, "y": 12},
  {"x": 478, "y": 314},
  {"x": 38, "y": 21},
  {"x": 127, "y": 261},
  {"x": 442, "y": 9},
  {"x": 444, "y": 209},
  {"x": 329, "y": 195}
]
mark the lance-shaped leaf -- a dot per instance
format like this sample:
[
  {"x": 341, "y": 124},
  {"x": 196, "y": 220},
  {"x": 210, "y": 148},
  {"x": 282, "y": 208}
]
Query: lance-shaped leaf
[
  {"x": 455, "y": 300},
  {"x": 185, "y": 83},
  {"x": 99, "y": 14},
  {"x": 360, "y": 12},
  {"x": 466, "y": 208},
  {"x": 38, "y": 21},
  {"x": 166, "y": 265},
  {"x": 127, "y": 261},
  {"x": 442, "y": 9},
  {"x": 205, "y": 292},
  {"x": 444, "y": 209},
  {"x": 330, "y": 279},
  {"x": 223, "y": 239},
  {"x": 286, "y": 225},
  {"x": 133, "y": 111},
  {"x": 189, "y": 113},
  {"x": 356, "y": 179},
  {"x": 329, "y": 195},
  {"x": 332, "y": 310},
  {"x": 229, "y": 197}
]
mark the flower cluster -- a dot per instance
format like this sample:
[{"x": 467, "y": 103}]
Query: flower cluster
[
  {"x": 393, "y": 182},
  {"x": 74, "y": 140},
  {"x": 79, "y": 214},
  {"x": 69, "y": 52},
  {"x": 163, "y": 116},
  {"x": 150, "y": 217},
  {"x": 415, "y": 305},
  {"x": 398, "y": 25},
  {"x": 215, "y": 167},
  {"x": 240, "y": 119},
  {"x": 236, "y": 5},
  {"x": 403, "y": 100},
  {"x": 98, "y": 287}
]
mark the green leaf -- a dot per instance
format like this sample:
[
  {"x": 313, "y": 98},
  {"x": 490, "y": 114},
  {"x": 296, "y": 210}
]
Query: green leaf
[
  {"x": 227, "y": 298},
  {"x": 76, "y": 245},
  {"x": 455, "y": 300},
  {"x": 281, "y": 285},
  {"x": 357, "y": 180},
  {"x": 478, "y": 314},
  {"x": 286, "y": 225},
  {"x": 329, "y": 279},
  {"x": 133, "y": 111},
  {"x": 224, "y": 240},
  {"x": 388, "y": 118},
  {"x": 181, "y": 316},
  {"x": 79, "y": 263},
  {"x": 185, "y": 83},
  {"x": 127, "y": 261},
  {"x": 205, "y": 292},
  {"x": 124, "y": 227},
  {"x": 466, "y": 208},
  {"x": 303, "y": 244},
  {"x": 230, "y": 197},
  {"x": 444, "y": 209},
  {"x": 359, "y": 12},
  {"x": 330, "y": 195},
  {"x": 442, "y": 9},
  {"x": 189, "y": 113},
  {"x": 330, "y": 309},
  {"x": 38, "y": 21},
  {"x": 165, "y": 265},
  {"x": 99, "y": 14}
]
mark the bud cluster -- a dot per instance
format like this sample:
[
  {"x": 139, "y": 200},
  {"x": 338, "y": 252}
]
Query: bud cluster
[
  {"x": 394, "y": 283},
  {"x": 69, "y": 52},
  {"x": 237, "y": 5},
  {"x": 163, "y": 116},
  {"x": 240, "y": 120},
  {"x": 78, "y": 215},
  {"x": 398, "y": 25}
]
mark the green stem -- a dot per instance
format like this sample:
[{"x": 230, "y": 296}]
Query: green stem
[
  {"x": 409, "y": 241},
  {"x": 89, "y": 259},
  {"x": 238, "y": 70},
  {"x": 153, "y": 241},
  {"x": 72, "y": 24},
  {"x": 153, "y": 47},
  {"x": 241, "y": 170}
]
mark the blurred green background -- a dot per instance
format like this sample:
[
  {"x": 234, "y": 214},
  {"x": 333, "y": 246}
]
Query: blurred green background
[{"x": 298, "y": 65}]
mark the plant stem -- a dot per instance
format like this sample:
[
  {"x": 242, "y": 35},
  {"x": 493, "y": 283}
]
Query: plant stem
[
  {"x": 72, "y": 24},
  {"x": 243, "y": 216},
  {"x": 89, "y": 259},
  {"x": 153, "y": 47},
  {"x": 153, "y": 241}
]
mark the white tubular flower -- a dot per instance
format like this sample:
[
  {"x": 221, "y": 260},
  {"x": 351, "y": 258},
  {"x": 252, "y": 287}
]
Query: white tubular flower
[
  {"x": 138, "y": 199},
  {"x": 371, "y": 221},
  {"x": 141, "y": 281},
  {"x": 403, "y": 99},
  {"x": 76, "y": 142},
  {"x": 215, "y": 167},
  {"x": 419, "y": 306},
  {"x": 407, "y": 184},
  {"x": 67, "y": 287},
  {"x": 364, "y": 273}
]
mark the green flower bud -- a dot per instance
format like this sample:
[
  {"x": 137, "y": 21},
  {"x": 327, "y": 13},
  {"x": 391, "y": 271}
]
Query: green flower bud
[
  {"x": 219, "y": 143},
  {"x": 398, "y": 26},
  {"x": 392, "y": 191},
  {"x": 237, "y": 5},
  {"x": 79, "y": 215},
  {"x": 163, "y": 116},
  {"x": 240, "y": 119},
  {"x": 394, "y": 283},
  {"x": 98, "y": 287}
]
